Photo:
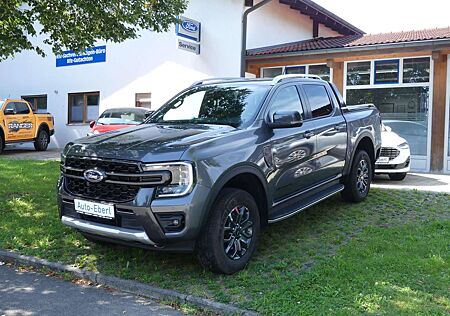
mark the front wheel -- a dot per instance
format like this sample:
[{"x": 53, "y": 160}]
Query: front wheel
[
  {"x": 357, "y": 184},
  {"x": 231, "y": 233},
  {"x": 397, "y": 176},
  {"x": 2, "y": 143},
  {"x": 42, "y": 140}
]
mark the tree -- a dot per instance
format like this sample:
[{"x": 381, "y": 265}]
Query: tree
[{"x": 78, "y": 24}]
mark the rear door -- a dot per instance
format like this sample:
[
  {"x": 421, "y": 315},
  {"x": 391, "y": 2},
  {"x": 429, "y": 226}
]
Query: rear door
[
  {"x": 291, "y": 149},
  {"x": 20, "y": 125},
  {"x": 330, "y": 129}
]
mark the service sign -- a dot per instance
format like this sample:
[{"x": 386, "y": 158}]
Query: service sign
[
  {"x": 89, "y": 56},
  {"x": 189, "y": 29},
  {"x": 189, "y": 46}
]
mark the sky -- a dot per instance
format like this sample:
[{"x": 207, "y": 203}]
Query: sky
[{"x": 383, "y": 16}]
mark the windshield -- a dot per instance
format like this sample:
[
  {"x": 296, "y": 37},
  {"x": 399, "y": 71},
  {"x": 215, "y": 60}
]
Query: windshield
[
  {"x": 234, "y": 104},
  {"x": 122, "y": 117}
]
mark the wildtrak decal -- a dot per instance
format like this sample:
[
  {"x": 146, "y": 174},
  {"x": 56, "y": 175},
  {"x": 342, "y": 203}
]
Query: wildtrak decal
[{"x": 16, "y": 126}]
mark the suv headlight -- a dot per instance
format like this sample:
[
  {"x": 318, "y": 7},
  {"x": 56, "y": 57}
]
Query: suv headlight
[
  {"x": 182, "y": 180},
  {"x": 403, "y": 145}
]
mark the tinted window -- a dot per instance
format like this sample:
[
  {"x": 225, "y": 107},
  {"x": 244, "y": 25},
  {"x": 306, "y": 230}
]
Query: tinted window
[
  {"x": 386, "y": 71},
  {"x": 272, "y": 72},
  {"x": 22, "y": 108},
  {"x": 318, "y": 100},
  {"x": 10, "y": 106},
  {"x": 323, "y": 71},
  {"x": 416, "y": 70},
  {"x": 287, "y": 99},
  {"x": 358, "y": 73}
]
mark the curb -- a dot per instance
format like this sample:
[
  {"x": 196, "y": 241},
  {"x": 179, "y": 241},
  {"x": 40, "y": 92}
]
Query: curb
[{"x": 128, "y": 286}]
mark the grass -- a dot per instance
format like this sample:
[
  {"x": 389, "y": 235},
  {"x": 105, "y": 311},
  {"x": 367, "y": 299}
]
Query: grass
[{"x": 387, "y": 255}]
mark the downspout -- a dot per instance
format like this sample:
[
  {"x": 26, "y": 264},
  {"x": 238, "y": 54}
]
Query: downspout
[{"x": 244, "y": 32}]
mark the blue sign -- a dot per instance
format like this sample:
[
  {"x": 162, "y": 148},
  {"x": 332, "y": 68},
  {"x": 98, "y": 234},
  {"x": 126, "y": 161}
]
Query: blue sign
[
  {"x": 189, "y": 29},
  {"x": 89, "y": 56}
]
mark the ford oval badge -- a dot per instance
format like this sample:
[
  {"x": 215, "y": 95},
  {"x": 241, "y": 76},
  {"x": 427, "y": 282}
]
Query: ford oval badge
[
  {"x": 93, "y": 175},
  {"x": 189, "y": 26}
]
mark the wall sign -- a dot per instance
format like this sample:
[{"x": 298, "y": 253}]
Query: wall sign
[
  {"x": 189, "y": 46},
  {"x": 89, "y": 56},
  {"x": 189, "y": 29}
]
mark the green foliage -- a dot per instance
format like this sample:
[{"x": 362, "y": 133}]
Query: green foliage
[{"x": 78, "y": 24}]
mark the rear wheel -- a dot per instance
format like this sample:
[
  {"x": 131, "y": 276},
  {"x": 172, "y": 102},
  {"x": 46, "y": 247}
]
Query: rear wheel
[
  {"x": 231, "y": 233},
  {"x": 42, "y": 140},
  {"x": 357, "y": 184},
  {"x": 397, "y": 176},
  {"x": 2, "y": 143}
]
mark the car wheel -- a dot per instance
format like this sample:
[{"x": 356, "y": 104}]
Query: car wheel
[
  {"x": 231, "y": 233},
  {"x": 42, "y": 140},
  {"x": 2, "y": 143},
  {"x": 357, "y": 184},
  {"x": 397, "y": 176}
]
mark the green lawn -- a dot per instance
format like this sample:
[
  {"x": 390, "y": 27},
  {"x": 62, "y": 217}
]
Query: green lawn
[{"x": 388, "y": 255}]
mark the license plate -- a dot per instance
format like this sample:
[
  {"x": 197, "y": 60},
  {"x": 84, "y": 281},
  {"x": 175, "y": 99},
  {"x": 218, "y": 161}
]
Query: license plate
[
  {"x": 382, "y": 160},
  {"x": 94, "y": 209}
]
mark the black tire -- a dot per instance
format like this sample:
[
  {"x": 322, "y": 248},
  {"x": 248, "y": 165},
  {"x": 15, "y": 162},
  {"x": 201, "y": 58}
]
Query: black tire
[
  {"x": 42, "y": 140},
  {"x": 223, "y": 231},
  {"x": 397, "y": 176},
  {"x": 357, "y": 184},
  {"x": 2, "y": 143}
]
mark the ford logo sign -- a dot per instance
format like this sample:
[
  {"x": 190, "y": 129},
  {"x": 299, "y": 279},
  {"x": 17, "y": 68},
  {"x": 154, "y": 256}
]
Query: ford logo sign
[
  {"x": 93, "y": 175},
  {"x": 189, "y": 26}
]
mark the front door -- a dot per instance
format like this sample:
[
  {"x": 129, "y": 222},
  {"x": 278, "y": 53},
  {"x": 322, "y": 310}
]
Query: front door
[
  {"x": 18, "y": 121},
  {"x": 292, "y": 149}
]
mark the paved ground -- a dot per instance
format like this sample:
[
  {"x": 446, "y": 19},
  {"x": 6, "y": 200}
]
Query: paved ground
[
  {"x": 27, "y": 151},
  {"x": 418, "y": 181},
  {"x": 30, "y": 293}
]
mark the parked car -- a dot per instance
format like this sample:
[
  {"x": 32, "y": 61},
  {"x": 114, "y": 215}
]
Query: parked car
[
  {"x": 217, "y": 163},
  {"x": 18, "y": 124},
  {"x": 395, "y": 156},
  {"x": 114, "y": 119},
  {"x": 415, "y": 133}
]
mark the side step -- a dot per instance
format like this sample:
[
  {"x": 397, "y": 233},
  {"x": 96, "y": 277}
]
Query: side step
[{"x": 291, "y": 210}]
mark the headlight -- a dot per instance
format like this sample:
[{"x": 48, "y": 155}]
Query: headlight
[
  {"x": 65, "y": 151},
  {"x": 403, "y": 145},
  {"x": 182, "y": 180}
]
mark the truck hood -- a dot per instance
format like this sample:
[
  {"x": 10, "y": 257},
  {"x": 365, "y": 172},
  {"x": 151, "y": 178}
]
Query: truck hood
[
  {"x": 391, "y": 139},
  {"x": 147, "y": 142}
]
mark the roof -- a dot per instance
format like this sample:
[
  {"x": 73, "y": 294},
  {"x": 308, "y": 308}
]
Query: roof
[
  {"x": 321, "y": 15},
  {"x": 353, "y": 41}
]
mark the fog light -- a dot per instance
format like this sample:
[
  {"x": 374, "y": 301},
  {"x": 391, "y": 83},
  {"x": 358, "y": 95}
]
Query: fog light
[{"x": 171, "y": 223}]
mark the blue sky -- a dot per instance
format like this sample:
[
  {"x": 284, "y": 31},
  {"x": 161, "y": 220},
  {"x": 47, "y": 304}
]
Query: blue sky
[{"x": 381, "y": 16}]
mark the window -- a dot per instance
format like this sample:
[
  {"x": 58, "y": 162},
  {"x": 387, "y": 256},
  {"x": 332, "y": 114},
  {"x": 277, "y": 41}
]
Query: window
[
  {"x": 83, "y": 107},
  {"x": 22, "y": 108},
  {"x": 323, "y": 71},
  {"x": 272, "y": 72},
  {"x": 295, "y": 70},
  {"x": 38, "y": 102},
  {"x": 358, "y": 73},
  {"x": 287, "y": 99},
  {"x": 144, "y": 100},
  {"x": 386, "y": 71},
  {"x": 416, "y": 70},
  {"x": 10, "y": 106},
  {"x": 318, "y": 99}
]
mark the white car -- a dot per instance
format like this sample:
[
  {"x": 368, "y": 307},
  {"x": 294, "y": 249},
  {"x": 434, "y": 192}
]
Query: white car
[{"x": 395, "y": 155}]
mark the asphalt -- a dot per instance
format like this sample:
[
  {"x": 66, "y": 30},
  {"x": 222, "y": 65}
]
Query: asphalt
[
  {"x": 426, "y": 182},
  {"x": 31, "y": 293}
]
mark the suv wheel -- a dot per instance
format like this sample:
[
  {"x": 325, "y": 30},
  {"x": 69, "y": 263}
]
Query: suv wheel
[
  {"x": 397, "y": 176},
  {"x": 231, "y": 233},
  {"x": 2, "y": 143},
  {"x": 42, "y": 140},
  {"x": 358, "y": 182}
]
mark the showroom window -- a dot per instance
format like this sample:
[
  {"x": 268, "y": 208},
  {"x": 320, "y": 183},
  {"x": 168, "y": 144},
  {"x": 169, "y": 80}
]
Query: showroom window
[
  {"x": 322, "y": 70},
  {"x": 83, "y": 107},
  {"x": 143, "y": 100},
  {"x": 38, "y": 102},
  {"x": 400, "y": 89}
]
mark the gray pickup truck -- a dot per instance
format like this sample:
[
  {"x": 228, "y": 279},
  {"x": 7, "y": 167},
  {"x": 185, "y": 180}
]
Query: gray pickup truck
[{"x": 216, "y": 164}]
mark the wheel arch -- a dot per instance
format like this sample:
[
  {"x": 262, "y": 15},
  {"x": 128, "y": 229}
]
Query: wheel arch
[
  {"x": 366, "y": 143},
  {"x": 3, "y": 135},
  {"x": 42, "y": 126}
]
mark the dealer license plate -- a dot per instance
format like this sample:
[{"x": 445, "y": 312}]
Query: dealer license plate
[
  {"x": 94, "y": 209},
  {"x": 382, "y": 160}
]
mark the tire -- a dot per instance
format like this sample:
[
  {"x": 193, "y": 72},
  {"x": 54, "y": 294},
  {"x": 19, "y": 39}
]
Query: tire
[
  {"x": 397, "y": 176},
  {"x": 2, "y": 143},
  {"x": 216, "y": 250},
  {"x": 357, "y": 184},
  {"x": 42, "y": 140}
]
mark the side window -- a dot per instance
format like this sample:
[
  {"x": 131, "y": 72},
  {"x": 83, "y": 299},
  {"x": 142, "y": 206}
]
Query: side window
[
  {"x": 10, "y": 106},
  {"x": 287, "y": 99},
  {"x": 318, "y": 99},
  {"x": 22, "y": 108}
]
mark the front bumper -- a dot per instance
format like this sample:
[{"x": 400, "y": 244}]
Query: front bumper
[
  {"x": 140, "y": 222},
  {"x": 400, "y": 164}
]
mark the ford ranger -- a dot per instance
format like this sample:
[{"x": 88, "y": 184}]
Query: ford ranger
[
  {"x": 18, "y": 124},
  {"x": 216, "y": 164}
]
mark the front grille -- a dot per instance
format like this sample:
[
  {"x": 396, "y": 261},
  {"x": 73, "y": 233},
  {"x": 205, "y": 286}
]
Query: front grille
[
  {"x": 105, "y": 165},
  {"x": 389, "y": 152}
]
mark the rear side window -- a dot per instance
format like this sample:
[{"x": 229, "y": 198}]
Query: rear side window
[
  {"x": 287, "y": 99},
  {"x": 318, "y": 99},
  {"x": 22, "y": 108},
  {"x": 10, "y": 106}
]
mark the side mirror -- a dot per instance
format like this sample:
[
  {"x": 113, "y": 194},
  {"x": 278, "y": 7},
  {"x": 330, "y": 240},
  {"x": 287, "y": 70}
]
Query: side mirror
[
  {"x": 9, "y": 111},
  {"x": 285, "y": 119},
  {"x": 92, "y": 124}
]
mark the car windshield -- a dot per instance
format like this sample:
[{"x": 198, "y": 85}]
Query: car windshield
[
  {"x": 122, "y": 117},
  {"x": 234, "y": 104}
]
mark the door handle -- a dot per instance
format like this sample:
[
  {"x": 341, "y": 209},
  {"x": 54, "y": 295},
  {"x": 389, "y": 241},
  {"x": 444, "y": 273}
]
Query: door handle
[
  {"x": 340, "y": 127},
  {"x": 309, "y": 134}
]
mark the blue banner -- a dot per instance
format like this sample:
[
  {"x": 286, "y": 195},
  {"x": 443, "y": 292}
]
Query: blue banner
[{"x": 89, "y": 56}]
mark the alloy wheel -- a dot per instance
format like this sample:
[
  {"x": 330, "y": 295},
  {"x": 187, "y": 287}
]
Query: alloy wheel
[
  {"x": 362, "y": 176},
  {"x": 238, "y": 232}
]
